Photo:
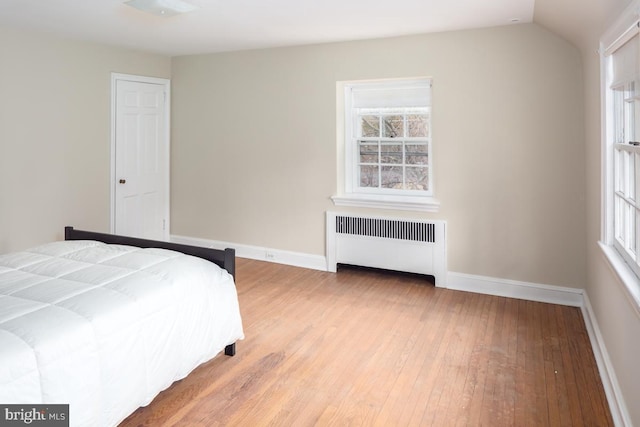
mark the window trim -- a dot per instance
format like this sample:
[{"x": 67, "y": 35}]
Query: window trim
[
  {"x": 615, "y": 36},
  {"x": 347, "y": 194},
  {"x": 405, "y": 203}
]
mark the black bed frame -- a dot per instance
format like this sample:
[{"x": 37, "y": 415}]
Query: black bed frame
[{"x": 224, "y": 258}]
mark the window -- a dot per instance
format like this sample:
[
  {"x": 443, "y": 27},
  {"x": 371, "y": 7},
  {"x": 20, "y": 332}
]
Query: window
[
  {"x": 620, "y": 50},
  {"x": 387, "y": 143},
  {"x": 626, "y": 150}
]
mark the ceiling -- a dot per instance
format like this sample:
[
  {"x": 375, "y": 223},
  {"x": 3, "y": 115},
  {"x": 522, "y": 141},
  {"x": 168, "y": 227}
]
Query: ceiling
[{"x": 219, "y": 26}]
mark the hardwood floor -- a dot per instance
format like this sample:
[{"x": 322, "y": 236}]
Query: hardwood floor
[{"x": 373, "y": 348}]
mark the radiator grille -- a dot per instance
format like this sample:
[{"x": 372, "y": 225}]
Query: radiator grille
[{"x": 386, "y": 228}]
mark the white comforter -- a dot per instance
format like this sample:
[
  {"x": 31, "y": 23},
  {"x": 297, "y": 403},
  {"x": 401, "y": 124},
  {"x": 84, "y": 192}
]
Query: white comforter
[{"x": 105, "y": 328}]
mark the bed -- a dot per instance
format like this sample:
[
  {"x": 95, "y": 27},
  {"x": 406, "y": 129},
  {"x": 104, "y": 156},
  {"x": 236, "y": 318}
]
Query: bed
[{"x": 104, "y": 323}]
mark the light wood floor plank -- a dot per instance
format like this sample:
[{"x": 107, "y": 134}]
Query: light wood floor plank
[{"x": 372, "y": 348}]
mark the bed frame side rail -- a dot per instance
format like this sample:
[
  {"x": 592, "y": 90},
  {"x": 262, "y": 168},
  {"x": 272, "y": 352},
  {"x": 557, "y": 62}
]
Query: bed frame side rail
[{"x": 224, "y": 258}]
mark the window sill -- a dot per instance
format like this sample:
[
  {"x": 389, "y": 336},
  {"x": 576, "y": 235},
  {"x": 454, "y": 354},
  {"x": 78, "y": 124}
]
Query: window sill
[
  {"x": 405, "y": 203},
  {"x": 627, "y": 277}
]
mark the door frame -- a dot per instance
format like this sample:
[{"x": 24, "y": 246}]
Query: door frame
[{"x": 115, "y": 77}]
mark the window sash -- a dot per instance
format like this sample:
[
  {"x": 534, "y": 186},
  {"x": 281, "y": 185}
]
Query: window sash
[
  {"x": 626, "y": 203},
  {"x": 376, "y": 163}
]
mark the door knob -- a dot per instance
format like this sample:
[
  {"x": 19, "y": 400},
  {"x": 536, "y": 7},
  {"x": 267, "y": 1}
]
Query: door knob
[{"x": 123, "y": 181}]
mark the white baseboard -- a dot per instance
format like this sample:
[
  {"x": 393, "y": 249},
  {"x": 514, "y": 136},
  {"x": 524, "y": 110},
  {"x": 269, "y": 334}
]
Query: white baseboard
[
  {"x": 515, "y": 289},
  {"x": 615, "y": 398},
  {"x": 456, "y": 281},
  {"x": 297, "y": 259}
]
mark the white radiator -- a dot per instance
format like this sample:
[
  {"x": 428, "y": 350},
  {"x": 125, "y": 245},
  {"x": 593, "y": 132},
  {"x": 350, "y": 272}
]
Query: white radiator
[{"x": 400, "y": 244}]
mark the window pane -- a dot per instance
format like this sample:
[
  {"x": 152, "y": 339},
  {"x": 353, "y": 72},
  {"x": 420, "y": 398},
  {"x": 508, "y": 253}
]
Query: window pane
[
  {"x": 417, "y": 154},
  {"x": 618, "y": 158},
  {"x": 391, "y": 153},
  {"x": 636, "y": 179},
  {"x": 629, "y": 125},
  {"x": 391, "y": 177},
  {"x": 417, "y": 126},
  {"x": 635, "y": 109},
  {"x": 369, "y": 176},
  {"x": 631, "y": 177},
  {"x": 618, "y": 112},
  {"x": 417, "y": 178},
  {"x": 619, "y": 220},
  {"x": 392, "y": 126},
  {"x": 636, "y": 236},
  {"x": 368, "y": 153},
  {"x": 631, "y": 229},
  {"x": 370, "y": 126},
  {"x": 631, "y": 93}
]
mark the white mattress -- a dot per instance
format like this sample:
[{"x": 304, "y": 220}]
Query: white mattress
[{"x": 105, "y": 328}]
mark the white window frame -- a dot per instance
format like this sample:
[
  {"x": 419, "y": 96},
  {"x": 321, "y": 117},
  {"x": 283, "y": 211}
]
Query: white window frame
[
  {"x": 349, "y": 192},
  {"x": 620, "y": 254}
]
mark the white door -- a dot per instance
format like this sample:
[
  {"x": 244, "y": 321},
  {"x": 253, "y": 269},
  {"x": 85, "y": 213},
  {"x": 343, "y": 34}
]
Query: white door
[{"x": 140, "y": 174}]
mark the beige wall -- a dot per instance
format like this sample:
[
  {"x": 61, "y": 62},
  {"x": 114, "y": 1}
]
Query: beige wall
[
  {"x": 55, "y": 133},
  {"x": 254, "y": 145}
]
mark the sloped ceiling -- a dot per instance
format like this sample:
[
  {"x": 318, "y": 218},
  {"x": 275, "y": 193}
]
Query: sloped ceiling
[{"x": 581, "y": 22}]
